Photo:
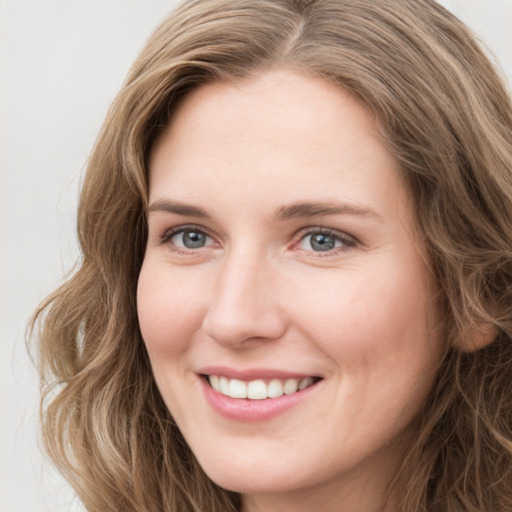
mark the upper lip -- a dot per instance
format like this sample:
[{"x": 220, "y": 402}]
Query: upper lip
[{"x": 252, "y": 373}]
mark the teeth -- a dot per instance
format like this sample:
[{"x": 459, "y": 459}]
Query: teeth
[
  {"x": 305, "y": 383},
  {"x": 258, "y": 389},
  {"x": 214, "y": 381},
  {"x": 224, "y": 386},
  {"x": 237, "y": 389},
  {"x": 291, "y": 386},
  {"x": 275, "y": 388}
]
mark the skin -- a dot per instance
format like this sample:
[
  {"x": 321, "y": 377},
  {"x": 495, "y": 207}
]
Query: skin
[{"x": 257, "y": 294}]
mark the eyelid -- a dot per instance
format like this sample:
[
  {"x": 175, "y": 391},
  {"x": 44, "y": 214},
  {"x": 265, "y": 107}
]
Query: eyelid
[
  {"x": 348, "y": 241},
  {"x": 175, "y": 230}
]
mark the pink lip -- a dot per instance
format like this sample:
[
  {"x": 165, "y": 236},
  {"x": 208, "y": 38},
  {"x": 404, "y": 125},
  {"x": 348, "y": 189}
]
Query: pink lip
[
  {"x": 250, "y": 411},
  {"x": 251, "y": 373}
]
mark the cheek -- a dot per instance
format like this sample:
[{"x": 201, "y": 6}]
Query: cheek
[
  {"x": 366, "y": 316},
  {"x": 170, "y": 310},
  {"x": 375, "y": 328}
]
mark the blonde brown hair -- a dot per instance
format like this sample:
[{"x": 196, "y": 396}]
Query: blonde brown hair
[{"x": 448, "y": 120}]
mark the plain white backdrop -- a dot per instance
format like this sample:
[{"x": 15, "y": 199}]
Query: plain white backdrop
[{"x": 61, "y": 63}]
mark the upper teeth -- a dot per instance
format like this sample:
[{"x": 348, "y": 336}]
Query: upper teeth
[{"x": 258, "y": 389}]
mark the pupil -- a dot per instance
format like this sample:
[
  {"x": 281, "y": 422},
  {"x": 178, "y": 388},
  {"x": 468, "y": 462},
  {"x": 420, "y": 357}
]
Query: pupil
[
  {"x": 192, "y": 239},
  {"x": 321, "y": 242}
]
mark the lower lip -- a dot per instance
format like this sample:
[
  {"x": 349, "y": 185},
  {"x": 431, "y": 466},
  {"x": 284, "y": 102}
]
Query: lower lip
[{"x": 244, "y": 409}]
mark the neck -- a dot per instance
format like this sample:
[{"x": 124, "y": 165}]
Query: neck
[{"x": 351, "y": 496}]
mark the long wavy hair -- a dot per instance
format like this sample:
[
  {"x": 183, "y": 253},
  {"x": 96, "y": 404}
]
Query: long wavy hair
[{"x": 445, "y": 115}]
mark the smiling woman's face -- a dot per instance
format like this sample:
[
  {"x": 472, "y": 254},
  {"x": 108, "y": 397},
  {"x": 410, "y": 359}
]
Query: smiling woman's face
[{"x": 281, "y": 254}]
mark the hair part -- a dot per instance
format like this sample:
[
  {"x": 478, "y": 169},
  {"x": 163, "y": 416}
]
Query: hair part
[{"x": 446, "y": 117}]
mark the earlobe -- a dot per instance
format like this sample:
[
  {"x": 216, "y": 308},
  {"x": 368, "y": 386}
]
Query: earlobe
[{"x": 476, "y": 338}]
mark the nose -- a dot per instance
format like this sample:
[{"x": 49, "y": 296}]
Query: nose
[{"x": 245, "y": 309}]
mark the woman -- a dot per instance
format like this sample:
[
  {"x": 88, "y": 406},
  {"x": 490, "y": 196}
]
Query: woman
[{"x": 295, "y": 291}]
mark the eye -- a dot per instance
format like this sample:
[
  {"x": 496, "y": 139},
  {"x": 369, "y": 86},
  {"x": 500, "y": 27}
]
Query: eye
[
  {"x": 189, "y": 238},
  {"x": 324, "y": 241}
]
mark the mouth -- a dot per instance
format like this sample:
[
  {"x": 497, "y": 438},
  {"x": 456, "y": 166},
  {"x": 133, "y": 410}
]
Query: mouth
[{"x": 258, "y": 389}]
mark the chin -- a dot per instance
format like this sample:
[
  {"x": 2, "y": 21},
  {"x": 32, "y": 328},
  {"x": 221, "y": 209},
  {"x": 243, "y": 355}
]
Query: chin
[
  {"x": 250, "y": 483},
  {"x": 252, "y": 476},
  {"x": 241, "y": 477}
]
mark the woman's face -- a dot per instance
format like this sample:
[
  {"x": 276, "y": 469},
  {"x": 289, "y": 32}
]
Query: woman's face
[{"x": 281, "y": 256}]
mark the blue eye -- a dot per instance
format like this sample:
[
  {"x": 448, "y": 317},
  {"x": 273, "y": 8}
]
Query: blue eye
[
  {"x": 190, "y": 239},
  {"x": 322, "y": 242}
]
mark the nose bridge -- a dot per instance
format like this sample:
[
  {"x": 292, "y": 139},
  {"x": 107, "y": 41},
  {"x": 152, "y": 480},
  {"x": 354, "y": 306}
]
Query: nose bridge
[{"x": 245, "y": 302}]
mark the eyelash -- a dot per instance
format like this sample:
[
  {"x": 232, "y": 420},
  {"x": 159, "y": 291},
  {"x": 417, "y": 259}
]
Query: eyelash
[
  {"x": 170, "y": 233},
  {"x": 346, "y": 240}
]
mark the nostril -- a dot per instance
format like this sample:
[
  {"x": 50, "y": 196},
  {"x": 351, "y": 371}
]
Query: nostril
[{"x": 243, "y": 328}]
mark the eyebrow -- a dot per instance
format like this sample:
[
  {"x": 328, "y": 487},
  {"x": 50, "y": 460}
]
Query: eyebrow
[
  {"x": 292, "y": 211},
  {"x": 301, "y": 210},
  {"x": 164, "y": 205}
]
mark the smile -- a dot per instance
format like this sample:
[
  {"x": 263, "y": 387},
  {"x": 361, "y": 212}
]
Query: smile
[
  {"x": 259, "y": 389},
  {"x": 256, "y": 394}
]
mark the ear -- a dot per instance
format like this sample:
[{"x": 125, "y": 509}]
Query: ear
[{"x": 476, "y": 338}]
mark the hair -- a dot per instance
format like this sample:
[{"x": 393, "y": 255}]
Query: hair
[{"x": 447, "y": 118}]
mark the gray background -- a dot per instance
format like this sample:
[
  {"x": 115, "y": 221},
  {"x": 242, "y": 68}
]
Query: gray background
[{"x": 61, "y": 63}]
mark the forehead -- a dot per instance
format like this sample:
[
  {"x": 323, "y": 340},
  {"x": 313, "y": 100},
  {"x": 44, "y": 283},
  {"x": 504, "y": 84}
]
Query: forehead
[
  {"x": 269, "y": 103},
  {"x": 282, "y": 135}
]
